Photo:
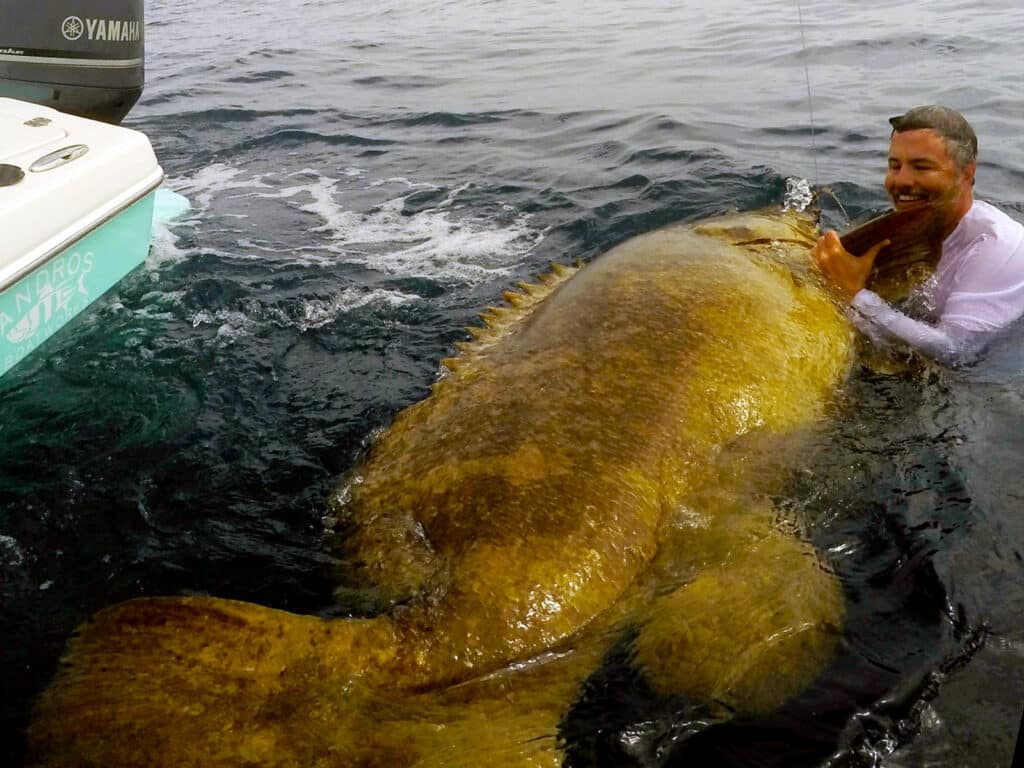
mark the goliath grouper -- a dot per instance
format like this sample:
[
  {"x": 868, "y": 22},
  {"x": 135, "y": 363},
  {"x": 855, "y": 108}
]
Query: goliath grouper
[{"x": 595, "y": 465}]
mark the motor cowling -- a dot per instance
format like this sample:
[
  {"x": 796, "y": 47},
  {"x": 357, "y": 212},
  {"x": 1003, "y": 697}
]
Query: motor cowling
[{"x": 84, "y": 57}]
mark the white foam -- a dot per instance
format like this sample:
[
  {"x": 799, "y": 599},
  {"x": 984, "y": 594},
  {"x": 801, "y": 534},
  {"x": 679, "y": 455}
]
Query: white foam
[
  {"x": 317, "y": 314},
  {"x": 164, "y": 246},
  {"x": 435, "y": 243},
  {"x": 230, "y": 324},
  {"x": 445, "y": 242},
  {"x": 213, "y": 180},
  {"x": 312, "y": 314},
  {"x": 11, "y": 553},
  {"x": 206, "y": 317},
  {"x": 322, "y": 192},
  {"x": 405, "y": 182}
]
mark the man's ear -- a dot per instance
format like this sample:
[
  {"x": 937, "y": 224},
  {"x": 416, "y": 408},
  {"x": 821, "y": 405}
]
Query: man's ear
[{"x": 969, "y": 171}]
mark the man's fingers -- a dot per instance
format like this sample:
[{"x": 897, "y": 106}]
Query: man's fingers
[
  {"x": 825, "y": 248},
  {"x": 830, "y": 241},
  {"x": 874, "y": 250}
]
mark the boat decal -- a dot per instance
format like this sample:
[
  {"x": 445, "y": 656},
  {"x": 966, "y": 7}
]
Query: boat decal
[
  {"x": 111, "y": 30},
  {"x": 57, "y": 289}
]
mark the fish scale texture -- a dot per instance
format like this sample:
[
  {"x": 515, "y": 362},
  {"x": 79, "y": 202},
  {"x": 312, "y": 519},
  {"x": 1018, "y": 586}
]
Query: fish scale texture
[{"x": 596, "y": 461}]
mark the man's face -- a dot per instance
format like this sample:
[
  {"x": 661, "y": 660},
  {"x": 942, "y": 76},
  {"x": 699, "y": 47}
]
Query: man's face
[{"x": 921, "y": 172}]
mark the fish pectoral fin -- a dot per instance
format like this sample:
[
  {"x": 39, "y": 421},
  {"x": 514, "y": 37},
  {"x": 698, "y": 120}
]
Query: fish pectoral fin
[{"x": 749, "y": 634}]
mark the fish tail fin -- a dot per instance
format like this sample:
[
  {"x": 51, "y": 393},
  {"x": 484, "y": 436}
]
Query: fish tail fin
[{"x": 196, "y": 681}]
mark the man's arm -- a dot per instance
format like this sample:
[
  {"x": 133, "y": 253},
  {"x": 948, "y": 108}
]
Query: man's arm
[
  {"x": 989, "y": 296},
  {"x": 848, "y": 274},
  {"x": 947, "y": 343}
]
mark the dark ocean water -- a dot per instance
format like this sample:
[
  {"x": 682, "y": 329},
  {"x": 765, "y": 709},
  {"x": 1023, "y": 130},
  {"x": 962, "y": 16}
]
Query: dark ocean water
[{"x": 368, "y": 176}]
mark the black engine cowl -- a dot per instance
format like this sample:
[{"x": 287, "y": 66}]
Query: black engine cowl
[{"x": 84, "y": 57}]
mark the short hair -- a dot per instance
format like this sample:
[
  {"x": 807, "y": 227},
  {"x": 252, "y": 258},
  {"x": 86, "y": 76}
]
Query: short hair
[{"x": 960, "y": 139}]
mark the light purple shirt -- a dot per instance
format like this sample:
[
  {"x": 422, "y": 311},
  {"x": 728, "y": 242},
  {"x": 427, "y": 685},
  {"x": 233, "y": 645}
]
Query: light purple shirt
[{"x": 977, "y": 289}]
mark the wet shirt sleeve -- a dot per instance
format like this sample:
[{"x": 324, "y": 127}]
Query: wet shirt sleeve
[{"x": 884, "y": 326}]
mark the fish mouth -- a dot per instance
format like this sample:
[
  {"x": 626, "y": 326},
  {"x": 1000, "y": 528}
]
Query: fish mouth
[{"x": 915, "y": 245}]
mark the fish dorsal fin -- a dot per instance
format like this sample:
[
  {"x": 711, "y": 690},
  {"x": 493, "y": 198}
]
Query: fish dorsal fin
[
  {"x": 502, "y": 320},
  {"x": 915, "y": 236}
]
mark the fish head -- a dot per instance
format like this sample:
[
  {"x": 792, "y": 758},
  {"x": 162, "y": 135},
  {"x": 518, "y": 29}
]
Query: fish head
[{"x": 915, "y": 246}]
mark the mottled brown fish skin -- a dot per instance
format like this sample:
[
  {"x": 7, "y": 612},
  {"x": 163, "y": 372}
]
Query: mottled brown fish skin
[{"x": 598, "y": 458}]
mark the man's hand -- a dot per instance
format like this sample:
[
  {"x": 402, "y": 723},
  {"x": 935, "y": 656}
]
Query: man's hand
[{"x": 847, "y": 273}]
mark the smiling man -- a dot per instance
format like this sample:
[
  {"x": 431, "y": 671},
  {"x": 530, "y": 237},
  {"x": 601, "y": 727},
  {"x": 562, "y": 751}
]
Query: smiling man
[{"x": 978, "y": 285}]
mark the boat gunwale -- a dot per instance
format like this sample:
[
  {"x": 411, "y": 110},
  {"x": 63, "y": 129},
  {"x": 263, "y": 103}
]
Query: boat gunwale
[{"x": 50, "y": 249}]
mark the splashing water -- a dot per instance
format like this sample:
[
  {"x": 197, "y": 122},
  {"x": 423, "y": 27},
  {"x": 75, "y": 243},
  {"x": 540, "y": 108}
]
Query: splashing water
[{"x": 798, "y": 194}]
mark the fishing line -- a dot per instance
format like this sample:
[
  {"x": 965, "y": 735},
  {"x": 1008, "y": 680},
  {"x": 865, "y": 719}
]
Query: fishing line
[{"x": 807, "y": 77}]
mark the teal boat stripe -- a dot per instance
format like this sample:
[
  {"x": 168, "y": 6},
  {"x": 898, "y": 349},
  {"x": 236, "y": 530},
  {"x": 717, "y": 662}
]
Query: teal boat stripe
[{"x": 42, "y": 302}]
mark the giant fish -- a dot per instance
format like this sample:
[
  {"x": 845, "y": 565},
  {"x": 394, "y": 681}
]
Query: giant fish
[{"x": 594, "y": 467}]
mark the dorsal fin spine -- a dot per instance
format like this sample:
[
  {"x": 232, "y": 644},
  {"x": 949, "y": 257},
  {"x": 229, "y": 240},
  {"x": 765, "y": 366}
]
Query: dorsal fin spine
[{"x": 499, "y": 321}]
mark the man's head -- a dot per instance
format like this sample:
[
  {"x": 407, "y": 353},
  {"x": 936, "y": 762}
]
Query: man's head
[{"x": 932, "y": 159}]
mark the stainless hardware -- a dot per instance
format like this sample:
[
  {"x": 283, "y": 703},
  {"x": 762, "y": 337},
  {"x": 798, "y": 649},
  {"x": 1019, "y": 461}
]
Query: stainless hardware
[{"x": 58, "y": 158}]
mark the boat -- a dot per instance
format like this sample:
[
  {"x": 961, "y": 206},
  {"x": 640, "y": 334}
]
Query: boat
[
  {"x": 78, "y": 193},
  {"x": 84, "y": 57},
  {"x": 76, "y": 212}
]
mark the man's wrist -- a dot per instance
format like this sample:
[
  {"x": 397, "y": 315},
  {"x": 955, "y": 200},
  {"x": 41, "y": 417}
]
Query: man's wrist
[{"x": 864, "y": 298}]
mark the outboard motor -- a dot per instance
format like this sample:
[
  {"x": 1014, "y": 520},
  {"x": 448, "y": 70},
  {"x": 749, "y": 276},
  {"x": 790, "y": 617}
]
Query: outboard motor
[{"x": 84, "y": 57}]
